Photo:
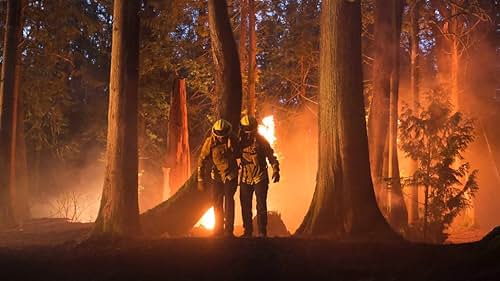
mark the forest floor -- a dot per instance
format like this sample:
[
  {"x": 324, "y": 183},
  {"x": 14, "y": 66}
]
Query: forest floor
[{"x": 53, "y": 249}]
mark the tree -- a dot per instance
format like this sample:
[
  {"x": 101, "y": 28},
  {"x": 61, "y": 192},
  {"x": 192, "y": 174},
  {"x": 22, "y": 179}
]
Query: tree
[
  {"x": 343, "y": 204},
  {"x": 252, "y": 60},
  {"x": 119, "y": 211},
  {"x": 226, "y": 61},
  {"x": 179, "y": 213},
  {"x": 382, "y": 120},
  {"x": 8, "y": 113},
  {"x": 436, "y": 138},
  {"x": 178, "y": 153},
  {"x": 414, "y": 88}
]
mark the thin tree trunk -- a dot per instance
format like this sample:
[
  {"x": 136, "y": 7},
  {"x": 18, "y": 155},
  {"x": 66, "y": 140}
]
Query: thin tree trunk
[
  {"x": 9, "y": 114},
  {"x": 22, "y": 209},
  {"x": 119, "y": 211},
  {"x": 243, "y": 38},
  {"x": 398, "y": 213},
  {"x": 178, "y": 152},
  {"x": 252, "y": 64},
  {"x": 344, "y": 204},
  {"x": 454, "y": 60},
  {"x": 414, "y": 86},
  {"x": 177, "y": 215},
  {"x": 378, "y": 120}
]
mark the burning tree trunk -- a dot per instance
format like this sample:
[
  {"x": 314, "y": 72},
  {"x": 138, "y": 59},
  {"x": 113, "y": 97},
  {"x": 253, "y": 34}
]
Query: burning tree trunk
[
  {"x": 119, "y": 211},
  {"x": 177, "y": 164},
  {"x": 344, "y": 204},
  {"x": 177, "y": 215},
  {"x": 414, "y": 87},
  {"x": 252, "y": 64},
  {"x": 9, "y": 114}
]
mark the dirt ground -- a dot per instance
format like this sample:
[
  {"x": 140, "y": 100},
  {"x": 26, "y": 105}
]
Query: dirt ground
[{"x": 54, "y": 249}]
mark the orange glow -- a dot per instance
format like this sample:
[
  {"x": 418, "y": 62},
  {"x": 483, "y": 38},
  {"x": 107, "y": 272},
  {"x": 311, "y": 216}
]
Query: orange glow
[
  {"x": 208, "y": 219},
  {"x": 267, "y": 129}
]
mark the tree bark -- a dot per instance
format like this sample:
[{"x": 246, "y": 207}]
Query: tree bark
[
  {"x": 243, "y": 37},
  {"x": 119, "y": 211},
  {"x": 378, "y": 119},
  {"x": 398, "y": 216},
  {"x": 415, "y": 89},
  {"x": 343, "y": 204},
  {"x": 178, "y": 152},
  {"x": 226, "y": 62},
  {"x": 252, "y": 63},
  {"x": 9, "y": 114},
  {"x": 21, "y": 205},
  {"x": 177, "y": 215}
]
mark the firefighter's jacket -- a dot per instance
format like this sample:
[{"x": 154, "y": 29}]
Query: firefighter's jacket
[
  {"x": 218, "y": 158},
  {"x": 254, "y": 152}
]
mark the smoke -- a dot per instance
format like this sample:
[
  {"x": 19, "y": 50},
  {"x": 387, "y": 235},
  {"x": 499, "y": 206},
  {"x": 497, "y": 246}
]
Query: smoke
[{"x": 297, "y": 150}]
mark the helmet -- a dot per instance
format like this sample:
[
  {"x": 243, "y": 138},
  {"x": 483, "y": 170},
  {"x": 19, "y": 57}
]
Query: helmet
[
  {"x": 221, "y": 128},
  {"x": 248, "y": 123}
]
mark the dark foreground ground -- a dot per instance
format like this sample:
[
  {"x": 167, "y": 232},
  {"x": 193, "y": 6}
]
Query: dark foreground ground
[{"x": 54, "y": 250}]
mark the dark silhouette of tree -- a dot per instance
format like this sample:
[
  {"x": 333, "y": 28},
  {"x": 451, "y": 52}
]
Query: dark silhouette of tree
[
  {"x": 9, "y": 113},
  {"x": 344, "y": 204},
  {"x": 252, "y": 59},
  {"x": 119, "y": 211}
]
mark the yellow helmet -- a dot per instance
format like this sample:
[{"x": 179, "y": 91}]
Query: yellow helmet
[
  {"x": 221, "y": 128},
  {"x": 248, "y": 123}
]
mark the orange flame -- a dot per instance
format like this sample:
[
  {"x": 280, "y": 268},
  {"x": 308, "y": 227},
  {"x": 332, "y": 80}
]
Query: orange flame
[
  {"x": 208, "y": 219},
  {"x": 267, "y": 129}
]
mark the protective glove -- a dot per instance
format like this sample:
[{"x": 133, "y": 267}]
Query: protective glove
[{"x": 276, "y": 176}]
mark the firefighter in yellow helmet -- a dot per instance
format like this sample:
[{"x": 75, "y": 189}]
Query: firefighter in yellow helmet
[
  {"x": 255, "y": 150},
  {"x": 218, "y": 156}
]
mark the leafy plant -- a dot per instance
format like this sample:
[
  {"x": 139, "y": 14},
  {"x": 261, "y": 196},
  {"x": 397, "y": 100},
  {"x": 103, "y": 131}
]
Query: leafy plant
[{"x": 435, "y": 137}]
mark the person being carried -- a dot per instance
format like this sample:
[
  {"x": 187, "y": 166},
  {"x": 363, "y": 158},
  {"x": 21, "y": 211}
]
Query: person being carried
[
  {"x": 218, "y": 155},
  {"x": 255, "y": 149}
]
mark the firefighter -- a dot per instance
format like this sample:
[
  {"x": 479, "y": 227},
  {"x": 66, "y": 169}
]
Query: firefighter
[
  {"x": 255, "y": 150},
  {"x": 218, "y": 155}
]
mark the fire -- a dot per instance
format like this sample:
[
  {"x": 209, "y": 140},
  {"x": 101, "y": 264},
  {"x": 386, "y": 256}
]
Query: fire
[
  {"x": 208, "y": 219},
  {"x": 267, "y": 128}
]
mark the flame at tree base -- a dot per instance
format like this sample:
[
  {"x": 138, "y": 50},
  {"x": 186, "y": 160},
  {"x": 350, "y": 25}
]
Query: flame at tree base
[{"x": 208, "y": 219}]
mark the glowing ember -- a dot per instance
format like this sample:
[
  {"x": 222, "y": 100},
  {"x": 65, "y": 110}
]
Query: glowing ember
[
  {"x": 266, "y": 129},
  {"x": 208, "y": 219}
]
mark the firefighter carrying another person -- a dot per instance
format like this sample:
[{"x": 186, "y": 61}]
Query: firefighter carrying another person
[
  {"x": 255, "y": 149},
  {"x": 218, "y": 155}
]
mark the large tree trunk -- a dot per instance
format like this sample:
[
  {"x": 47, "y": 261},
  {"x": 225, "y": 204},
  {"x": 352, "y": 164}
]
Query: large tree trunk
[
  {"x": 378, "y": 119},
  {"x": 177, "y": 163},
  {"x": 415, "y": 93},
  {"x": 119, "y": 211},
  {"x": 252, "y": 63},
  {"x": 9, "y": 114},
  {"x": 177, "y": 215},
  {"x": 344, "y": 204}
]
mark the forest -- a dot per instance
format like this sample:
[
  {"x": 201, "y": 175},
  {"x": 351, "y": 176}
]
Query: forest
[{"x": 378, "y": 120}]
